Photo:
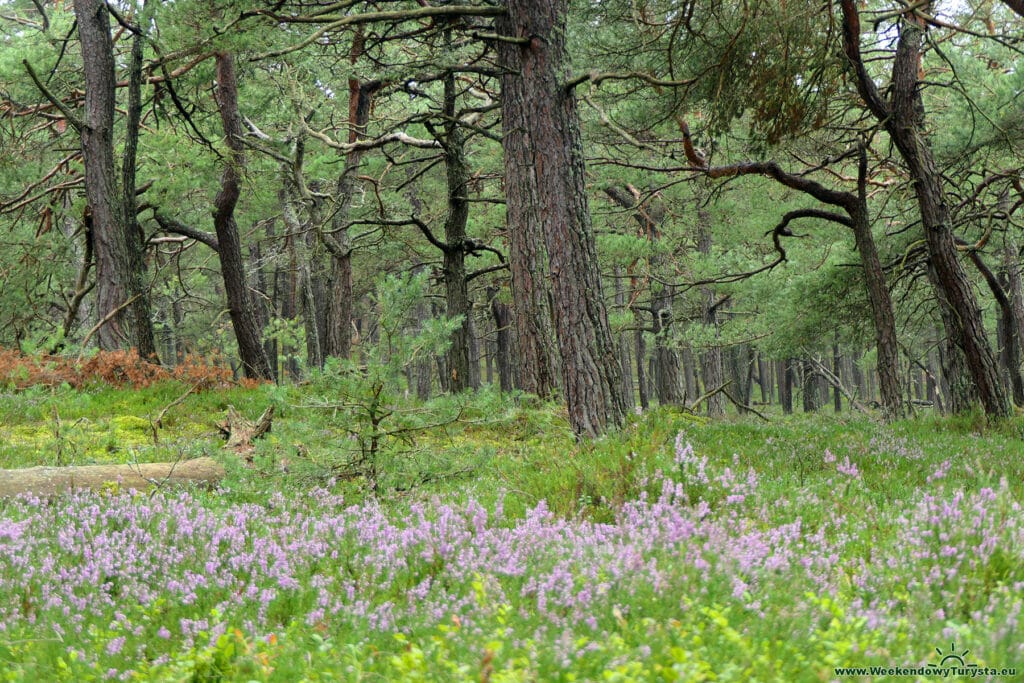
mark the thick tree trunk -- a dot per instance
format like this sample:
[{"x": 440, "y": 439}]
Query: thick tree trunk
[
  {"x": 454, "y": 265},
  {"x": 545, "y": 184},
  {"x": 241, "y": 306},
  {"x": 538, "y": 364},
  {"x": 121, "y": 293}
]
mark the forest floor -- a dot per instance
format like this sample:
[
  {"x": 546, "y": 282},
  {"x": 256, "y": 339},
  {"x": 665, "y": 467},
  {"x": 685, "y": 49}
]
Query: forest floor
[{"x": 495, "y": 548}]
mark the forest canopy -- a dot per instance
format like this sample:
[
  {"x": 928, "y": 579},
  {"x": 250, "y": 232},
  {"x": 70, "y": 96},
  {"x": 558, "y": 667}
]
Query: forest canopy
[{"x": 712, "y": 205}]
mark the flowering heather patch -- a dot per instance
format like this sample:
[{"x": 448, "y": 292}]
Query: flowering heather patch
[{"x": 709, "y": 578}]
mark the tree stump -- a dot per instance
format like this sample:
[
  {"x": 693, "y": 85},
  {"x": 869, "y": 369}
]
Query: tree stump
[
  {"x": 48, "y": 481},
  {"x": 241, "y": 432}
]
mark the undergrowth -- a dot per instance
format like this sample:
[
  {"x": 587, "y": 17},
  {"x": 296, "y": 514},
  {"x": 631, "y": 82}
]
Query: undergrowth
[{"x": 497, "y": 548}]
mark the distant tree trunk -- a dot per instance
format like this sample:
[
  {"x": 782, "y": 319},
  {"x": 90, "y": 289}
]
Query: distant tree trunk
[
  {"x": 288, "y": 282},
  {"x": 117, "y": 242},
  {"x": 649, "y": 214},
  {"x": 690, "y": 373},
  {"x": 444, "y": 375},
  {"x": 1015, "y": 292},
  {"x": 934, "y": 380},
  {"x": 902, "y": 114},
  {"x": 474, "y": 353},
  {"x": 623, "y": 344},
  {"x": 421, "y": 370},
  {"x": 240, "y": 302},
  {"x": 641, "y": 363},
  {"x": 837, "y": 370},
  {"x": 309, "y": 258},
  {"x": 785, "y": 370},
  {"x": 858, "y": 376},
  {"x": 313, "y": 315},
  {"x": 811, "y": 390},
  {"x": 545, "y": 182},
  {"x": 338, "y": 338},
  {"x": 489, "y": 351},
  {"x": 739, "y": 371},
  {"x": 502, "y": 314},
  {"x": 764, "y": 379},
  {"x": 714, "y": 371},
  {"x": 262, "y": 304}
]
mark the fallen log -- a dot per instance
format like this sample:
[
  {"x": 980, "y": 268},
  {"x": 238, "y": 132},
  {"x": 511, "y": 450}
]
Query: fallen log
[{"x": 47, "y": 481}]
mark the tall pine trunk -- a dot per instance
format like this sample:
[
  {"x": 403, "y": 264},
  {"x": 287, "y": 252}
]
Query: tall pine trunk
[
  {"x": 122, "y": 300},
  {"x": 241, "y": 306},
  {"x": 545, "y": 187}
]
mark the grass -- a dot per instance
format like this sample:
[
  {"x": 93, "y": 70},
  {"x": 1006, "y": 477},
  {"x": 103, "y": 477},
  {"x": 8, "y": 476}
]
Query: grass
[{"x": 500, "y": 550}]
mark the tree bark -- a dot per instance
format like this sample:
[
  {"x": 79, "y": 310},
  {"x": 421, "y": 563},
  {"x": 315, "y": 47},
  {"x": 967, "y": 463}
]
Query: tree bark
[
  {"x": 545, "y": 184},
  {"x": 537, "y": 360},
  {"x": 241, "y": 305},
  {"x": 880, "y": 300},
  {"x": 338, "y": 338},
  {"x": 116, "y": 240},
  {"x": 764, "y": 379},
  {"x": 454, "y": 264}
]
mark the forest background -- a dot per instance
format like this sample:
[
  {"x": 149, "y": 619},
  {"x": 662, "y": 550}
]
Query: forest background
[{"x": 621, "y": 204}]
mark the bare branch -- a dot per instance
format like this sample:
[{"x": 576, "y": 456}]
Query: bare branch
[
  {"x": 771, "y": 169},
  {"x": 597, "y": 77},
  {"x": 360, "y": 145},
  {"x": 851, "y": 46},
  {"x": 75, "y": 122},
  {"x": 168, "y": 224}
]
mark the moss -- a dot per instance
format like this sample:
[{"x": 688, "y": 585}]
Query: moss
[{"x": 129, "y": 425}]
